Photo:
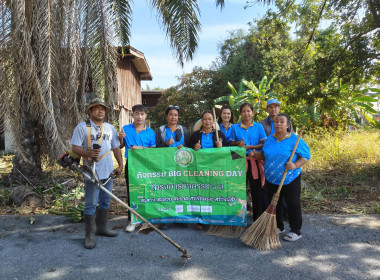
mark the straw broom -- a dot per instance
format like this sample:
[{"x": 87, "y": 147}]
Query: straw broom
[
  {"x": 262, "y": 234},
  {"x": 223, "y": 230}
]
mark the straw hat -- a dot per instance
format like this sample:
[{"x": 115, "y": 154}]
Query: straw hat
[
  {"x": 198, "y": 125},
  {"x": 97, "y": 101}
]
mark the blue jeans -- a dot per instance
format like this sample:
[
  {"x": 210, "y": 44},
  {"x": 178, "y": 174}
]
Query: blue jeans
[{"x": 92, "y": 194}]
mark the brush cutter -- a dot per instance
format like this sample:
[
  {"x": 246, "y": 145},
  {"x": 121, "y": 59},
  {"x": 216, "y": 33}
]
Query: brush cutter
[{"x": 71, "y": 160}]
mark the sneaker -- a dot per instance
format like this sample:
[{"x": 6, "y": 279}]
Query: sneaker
[
  {"x": 279, "y": 231},
  {"x": 130, "y": 227},
  {"x": 291, "y": 236}
]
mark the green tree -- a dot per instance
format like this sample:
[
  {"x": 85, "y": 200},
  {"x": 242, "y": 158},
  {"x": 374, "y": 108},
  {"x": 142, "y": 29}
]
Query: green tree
[
  {"x": 194, "y": 94},
  {"x": 50, "y": 48},
  {"x": 315, "y": 47}
]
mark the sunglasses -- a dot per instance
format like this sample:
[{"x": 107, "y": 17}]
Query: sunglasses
[{"x": 173, "y": 107}]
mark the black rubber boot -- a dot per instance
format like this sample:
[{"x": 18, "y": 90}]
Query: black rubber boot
[
  {"x": 101, "y": 224},
  {"x": 89, "y": 223}
]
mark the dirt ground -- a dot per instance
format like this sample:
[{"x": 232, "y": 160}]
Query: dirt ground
[{"x": 336, "y": 247}]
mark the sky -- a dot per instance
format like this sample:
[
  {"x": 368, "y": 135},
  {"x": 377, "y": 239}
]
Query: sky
[{"x": 149, "y": 37}]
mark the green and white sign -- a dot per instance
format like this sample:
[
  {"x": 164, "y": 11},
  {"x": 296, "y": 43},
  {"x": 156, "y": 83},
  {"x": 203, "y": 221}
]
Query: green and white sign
[{"x": 170, "y": 185}]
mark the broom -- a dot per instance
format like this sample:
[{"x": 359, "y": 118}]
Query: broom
[
  {"x": 262, "y": 234},
  {"x": 223, "y": 230}
]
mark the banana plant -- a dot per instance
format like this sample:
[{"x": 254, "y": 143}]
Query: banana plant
[
  {"x": 248, "y": 92},
  {"x": 232, "y": 99},
  {"x": 361, "y": 104},
  {"x": 335, "y": 112}
]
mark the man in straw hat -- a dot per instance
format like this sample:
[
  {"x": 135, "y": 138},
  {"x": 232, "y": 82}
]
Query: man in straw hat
[{"x": 94, "y": 140}]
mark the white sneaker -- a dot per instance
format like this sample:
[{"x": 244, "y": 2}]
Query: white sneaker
[
  {"x": 130, "y": 227},
  {"x": 279, "y": 231},
  {"x": 291, "y": 236}
]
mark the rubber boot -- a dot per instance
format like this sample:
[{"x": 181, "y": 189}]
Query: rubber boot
[
  {"x": 89, "y": 223},
  {"x": 101, "y": 224}
]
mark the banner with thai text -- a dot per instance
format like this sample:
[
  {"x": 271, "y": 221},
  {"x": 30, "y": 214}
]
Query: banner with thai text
[{"x": 170, "y": 185}]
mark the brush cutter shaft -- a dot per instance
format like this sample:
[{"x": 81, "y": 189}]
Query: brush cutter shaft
[
  {"x": 94, "y": 179},
  {"x": 142, "y": 218}
]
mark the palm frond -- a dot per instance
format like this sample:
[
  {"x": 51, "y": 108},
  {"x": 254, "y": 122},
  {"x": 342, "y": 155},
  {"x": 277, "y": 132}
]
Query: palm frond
[
  {"x": 219, "y": 3},
  {"x": 101, "y": 49},
  {"x": 121, "y": 16},
  {"x": 46, "y": 48},
  {"x": 180, "y": 20}
]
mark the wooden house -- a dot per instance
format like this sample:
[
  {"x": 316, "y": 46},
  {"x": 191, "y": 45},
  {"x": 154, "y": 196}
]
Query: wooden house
[
  {"x": 150, "y": 97},
  {"x": 131, "y": 70}
]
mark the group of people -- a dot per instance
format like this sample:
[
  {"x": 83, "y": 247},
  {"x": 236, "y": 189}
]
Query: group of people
[{"x": 268, "y": 146}]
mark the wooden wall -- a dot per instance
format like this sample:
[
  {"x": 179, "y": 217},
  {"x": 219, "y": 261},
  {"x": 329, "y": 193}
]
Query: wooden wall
[{"x": 128, "y": 90}]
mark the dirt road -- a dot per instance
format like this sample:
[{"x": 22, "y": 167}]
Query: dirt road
[{"x": 333, "y": 247}]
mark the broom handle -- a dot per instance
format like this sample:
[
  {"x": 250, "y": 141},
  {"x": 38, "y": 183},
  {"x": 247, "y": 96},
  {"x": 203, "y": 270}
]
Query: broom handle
[
  {"x": 290, "y": 159},
  {"x": 216, "y": 130}
]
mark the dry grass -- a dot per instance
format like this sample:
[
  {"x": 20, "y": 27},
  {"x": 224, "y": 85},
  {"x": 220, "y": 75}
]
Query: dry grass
[{"x": 343, "y": 175}]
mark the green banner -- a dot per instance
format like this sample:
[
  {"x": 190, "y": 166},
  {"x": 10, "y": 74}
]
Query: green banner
[{"x": 170, "y": 185}]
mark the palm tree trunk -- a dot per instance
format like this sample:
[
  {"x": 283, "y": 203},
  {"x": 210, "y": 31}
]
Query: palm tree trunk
[{"x": 30, "y": 166}]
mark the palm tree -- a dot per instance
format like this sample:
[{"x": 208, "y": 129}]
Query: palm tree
[{"x": 49, "y": 49}]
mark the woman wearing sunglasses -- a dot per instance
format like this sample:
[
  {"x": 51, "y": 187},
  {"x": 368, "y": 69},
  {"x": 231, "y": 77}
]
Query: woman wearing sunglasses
[{"x": 171, "y": 134}]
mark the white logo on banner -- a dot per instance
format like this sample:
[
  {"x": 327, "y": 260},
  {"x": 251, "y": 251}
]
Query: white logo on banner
[
  {"x": 206, "y": 209},
  {"x": 179, "y": 208},
  {"x": 193, "y": 208}
]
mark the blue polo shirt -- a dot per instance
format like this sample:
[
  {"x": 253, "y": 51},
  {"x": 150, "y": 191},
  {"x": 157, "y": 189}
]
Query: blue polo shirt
[
  {"x": 145, "y": 138},
  {"x": 169, "y": 133},
  {"x": 207, "y": 140},
  {"x": 226, "y": 132},
  {"x": 252, "y": 135},
  {"x": 277, "y": 154}
]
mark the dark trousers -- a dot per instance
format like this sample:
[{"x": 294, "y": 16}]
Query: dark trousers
[
  {"x": 292, "y": 195},
  {"x": 267, "y": 202},
  {"x": 127, "y": 182},
  {"x": 256, "y": 192}
]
